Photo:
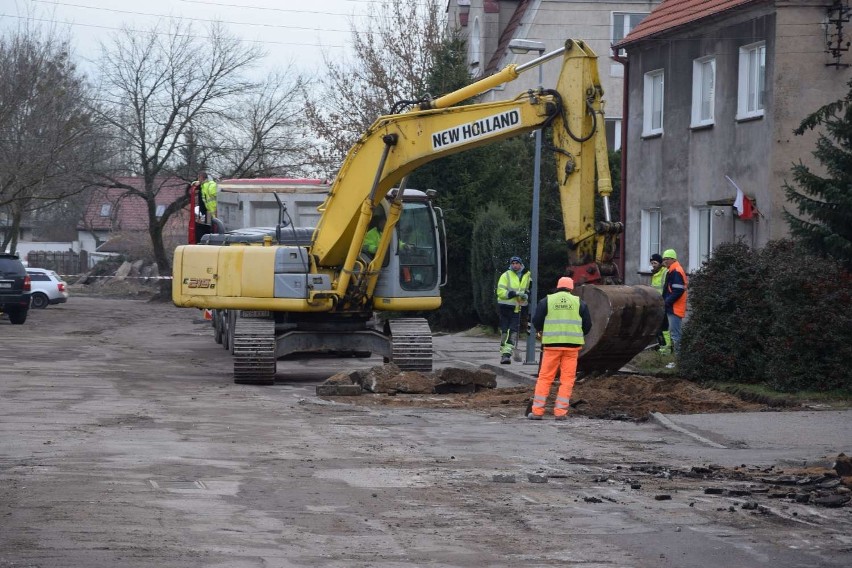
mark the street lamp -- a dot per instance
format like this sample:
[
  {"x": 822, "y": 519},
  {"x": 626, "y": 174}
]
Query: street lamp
[{"x": 525, "y": 46}]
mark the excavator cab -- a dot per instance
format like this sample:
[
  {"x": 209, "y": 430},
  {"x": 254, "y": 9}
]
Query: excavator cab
[{"x": 415, "y": 265}]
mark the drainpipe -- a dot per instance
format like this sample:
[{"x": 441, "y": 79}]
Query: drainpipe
[{"x": 625, "y": 113}]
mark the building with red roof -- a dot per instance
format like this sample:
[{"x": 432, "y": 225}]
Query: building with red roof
[
  {"x": 715, "y": 90},
  {"x": 115, "y": 219}
]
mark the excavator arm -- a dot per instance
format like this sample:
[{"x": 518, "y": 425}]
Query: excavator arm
[{"x": 395, "y": 145}]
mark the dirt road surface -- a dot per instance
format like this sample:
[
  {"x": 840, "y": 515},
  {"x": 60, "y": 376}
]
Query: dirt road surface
[{"x": 124, "y": 442}]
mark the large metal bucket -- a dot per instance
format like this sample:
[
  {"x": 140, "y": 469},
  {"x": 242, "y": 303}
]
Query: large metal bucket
[{"x": 625, "y": 320}]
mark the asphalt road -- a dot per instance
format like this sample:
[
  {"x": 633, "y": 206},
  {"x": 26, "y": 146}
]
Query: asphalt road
[{"x": 124, "y": 442}]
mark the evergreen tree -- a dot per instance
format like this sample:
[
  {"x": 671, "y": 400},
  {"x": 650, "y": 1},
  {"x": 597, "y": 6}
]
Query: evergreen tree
[
  {"x": 824, "y": 204},
  {"x": 494, "y": 233}
]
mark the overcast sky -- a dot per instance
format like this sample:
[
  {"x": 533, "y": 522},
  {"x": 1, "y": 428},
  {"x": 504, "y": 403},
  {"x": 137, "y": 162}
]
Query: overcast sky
[{"x": 289, "y": 30}]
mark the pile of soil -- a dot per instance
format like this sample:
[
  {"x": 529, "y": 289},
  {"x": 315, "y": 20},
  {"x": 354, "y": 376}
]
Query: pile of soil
[{"x": 611, "y": 397}]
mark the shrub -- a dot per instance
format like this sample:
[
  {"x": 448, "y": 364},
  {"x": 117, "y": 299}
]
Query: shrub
[
  {"x": 809, "y": 333},
  {"x": 722, "y": 336},
  {"x": 770, "y": 316}
]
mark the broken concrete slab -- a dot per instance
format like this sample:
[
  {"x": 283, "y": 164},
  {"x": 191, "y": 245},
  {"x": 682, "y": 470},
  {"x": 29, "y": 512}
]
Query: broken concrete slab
[
  {"x": 406, "y": 382},
  {"x": 338, "y": 390},
  {"x": 345, "y": 378},
  {"x": 390, "y": 379},
  {"x": 479, "y": 378},
  {"x": 375, "y": 377}
]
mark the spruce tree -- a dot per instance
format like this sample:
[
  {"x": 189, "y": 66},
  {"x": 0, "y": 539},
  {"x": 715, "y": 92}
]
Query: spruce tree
[{"x": 824, "y": 203}]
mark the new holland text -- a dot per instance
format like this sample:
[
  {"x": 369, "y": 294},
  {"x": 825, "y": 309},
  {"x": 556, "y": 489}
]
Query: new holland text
[{"x": 487, "y": 126}]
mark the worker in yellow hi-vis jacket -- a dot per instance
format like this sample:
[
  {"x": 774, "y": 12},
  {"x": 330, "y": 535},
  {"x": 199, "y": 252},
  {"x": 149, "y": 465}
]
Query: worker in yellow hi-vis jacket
[{"x": 513, "y": 289}]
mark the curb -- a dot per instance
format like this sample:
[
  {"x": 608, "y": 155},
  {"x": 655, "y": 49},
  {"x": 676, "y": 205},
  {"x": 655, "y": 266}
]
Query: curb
[
  {"x": 502, "y": 370},
  {"x": 666, "y": 423}
]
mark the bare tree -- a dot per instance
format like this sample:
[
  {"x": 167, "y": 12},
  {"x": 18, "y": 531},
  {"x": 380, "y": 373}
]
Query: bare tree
[
  {"x": 176, "y": 101},
  {"x": 261, "y": 135},
  {"x": 393, "y": 57},
  {"x": 48, "y": 137}
]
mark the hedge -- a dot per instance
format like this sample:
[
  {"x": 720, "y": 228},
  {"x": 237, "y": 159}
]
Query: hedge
[{"x": 774, "y": 316}]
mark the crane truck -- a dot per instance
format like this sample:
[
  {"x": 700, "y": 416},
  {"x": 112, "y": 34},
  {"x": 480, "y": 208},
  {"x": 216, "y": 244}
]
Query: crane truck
[{"x": 293, "y": 292}]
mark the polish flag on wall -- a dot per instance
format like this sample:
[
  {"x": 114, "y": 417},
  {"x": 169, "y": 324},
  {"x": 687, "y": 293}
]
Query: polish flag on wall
[{"x": 743, "y": 205}]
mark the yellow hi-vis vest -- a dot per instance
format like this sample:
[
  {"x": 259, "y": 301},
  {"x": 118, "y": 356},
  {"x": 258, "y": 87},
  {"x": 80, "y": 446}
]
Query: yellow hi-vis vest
[
  {"x": 208, "y": 194},
  {"x": 371, "y": 241},
  {"x": 563, "y": 323},
  {"x": 658, "y": 279},
  {"x": 509, "y": 281}
]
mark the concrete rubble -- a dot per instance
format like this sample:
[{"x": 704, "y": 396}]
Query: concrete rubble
[{"x": 389, "y": 379}]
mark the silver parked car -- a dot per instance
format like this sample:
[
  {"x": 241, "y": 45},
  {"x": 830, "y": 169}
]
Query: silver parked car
[{"x": 47, "y": 288}]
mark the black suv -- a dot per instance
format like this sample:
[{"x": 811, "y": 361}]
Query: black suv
[{"x": 14, "y": 288}]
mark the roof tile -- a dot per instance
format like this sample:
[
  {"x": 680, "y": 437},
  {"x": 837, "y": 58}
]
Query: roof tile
[
  {"x": 127, "y": 212},
  {"x": 671, "y": 14}
]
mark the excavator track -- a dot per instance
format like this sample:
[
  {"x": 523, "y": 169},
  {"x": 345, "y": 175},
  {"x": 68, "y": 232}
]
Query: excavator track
[
  {"x": 411, "y": 344},
  {"x": 254, "y": 351}
]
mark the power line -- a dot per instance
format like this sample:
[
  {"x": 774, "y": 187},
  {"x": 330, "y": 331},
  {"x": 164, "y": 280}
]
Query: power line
[
  {"x": 194, "y": 36},
  {"x": 301, "y": 43},
  {"x": 194, "y": 18},
  {"x": 264, "y": 8}
]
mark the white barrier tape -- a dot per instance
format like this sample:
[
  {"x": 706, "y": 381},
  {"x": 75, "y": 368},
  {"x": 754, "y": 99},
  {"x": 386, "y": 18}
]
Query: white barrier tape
[{"x": 77, "y": 276}]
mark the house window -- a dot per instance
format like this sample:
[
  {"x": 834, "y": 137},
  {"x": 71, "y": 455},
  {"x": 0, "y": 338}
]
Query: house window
[
  {"x": 651, "y": 224},
  {"x": 475, "y": 45},
  {"x": 751, "y": 91},
  {"x": 653, "y": 104},
  {"x": 703, "y": 91},
  {"x": 700, "y": 236},
  {"x": 622, "y": 23},
  {"x": 613, "y": 133},
  {"x": 105, "y": 209},
  {"x": 160, "y": 210}
]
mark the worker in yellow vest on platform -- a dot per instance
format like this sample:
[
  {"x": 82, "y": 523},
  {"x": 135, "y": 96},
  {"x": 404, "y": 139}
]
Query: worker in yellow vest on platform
[{"x": 208, "y": 194}]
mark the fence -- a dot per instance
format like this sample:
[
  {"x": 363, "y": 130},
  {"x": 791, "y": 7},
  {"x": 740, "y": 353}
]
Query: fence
[{"x": 63, "y": 262}]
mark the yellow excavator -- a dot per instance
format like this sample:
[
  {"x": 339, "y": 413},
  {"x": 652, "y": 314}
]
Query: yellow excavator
[{"x": 280, "y": 292}]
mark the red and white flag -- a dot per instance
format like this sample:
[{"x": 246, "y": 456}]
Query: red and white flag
[{"x": 743, "y": 205}]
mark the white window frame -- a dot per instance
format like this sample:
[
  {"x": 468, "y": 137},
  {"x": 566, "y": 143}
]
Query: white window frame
[
  {"x": 106, "y": 208},
  {"x": 160, "y": 210},
  {"x": 751, "y": 88},
  {"x": 625, "y": 28},
  {"x": 616, "y": 131},
  {"x": 700, "y": 236},
  {"x": 650, "y": 103},
  {"x": 650, "y": 243},
  {"x": 475, "y": 46},
  {"x": 702, "y": 92}
]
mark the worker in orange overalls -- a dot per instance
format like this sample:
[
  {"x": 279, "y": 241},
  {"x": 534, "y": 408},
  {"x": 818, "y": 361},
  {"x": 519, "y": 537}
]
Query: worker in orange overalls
[{"x": 564, "y": 321}]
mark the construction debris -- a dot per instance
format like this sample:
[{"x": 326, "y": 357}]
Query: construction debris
[
  {"x": 389, "y": 379},
  {"x": 609, "y": 397}
]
